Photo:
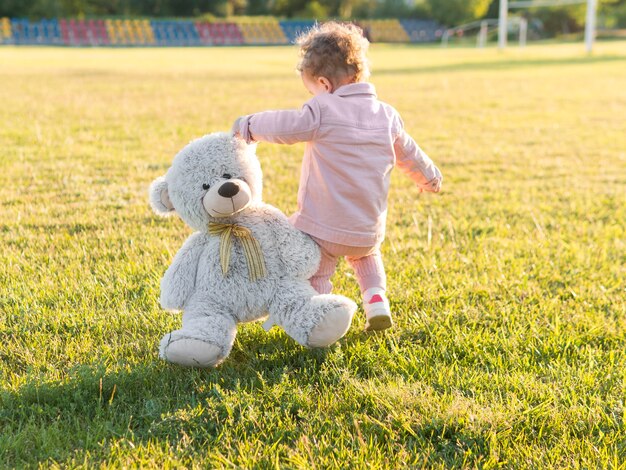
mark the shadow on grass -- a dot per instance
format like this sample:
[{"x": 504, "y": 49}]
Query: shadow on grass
[
  {"x": 508, "y": 64},
  {"x": 92, "y": 409},
  {"x": 263, "y": 393}
]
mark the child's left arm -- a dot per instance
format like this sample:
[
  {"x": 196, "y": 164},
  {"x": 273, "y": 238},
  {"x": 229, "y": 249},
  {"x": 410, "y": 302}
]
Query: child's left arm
[{"x": 411, "y": 159}]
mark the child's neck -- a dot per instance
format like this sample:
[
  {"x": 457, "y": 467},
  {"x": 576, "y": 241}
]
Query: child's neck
[{"x": 344, "y": 82}]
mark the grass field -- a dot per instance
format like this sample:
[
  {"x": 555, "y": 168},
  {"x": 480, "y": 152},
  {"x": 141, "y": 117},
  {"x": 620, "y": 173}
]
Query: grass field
[{"x": 508, "y": 287}]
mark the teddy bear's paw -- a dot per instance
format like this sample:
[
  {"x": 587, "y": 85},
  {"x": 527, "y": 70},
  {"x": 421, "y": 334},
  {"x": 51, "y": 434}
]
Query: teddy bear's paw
[
  {"x": 333, "y": 326},
  {"x": 170, "y": 302},
  {"x": 190, "y": 352}
]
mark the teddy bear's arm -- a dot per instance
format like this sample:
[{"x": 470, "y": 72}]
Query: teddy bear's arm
[{"x": 180, "y": 278}]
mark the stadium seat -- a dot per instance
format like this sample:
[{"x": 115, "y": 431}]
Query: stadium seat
[
  {"x": 175, "y": 33},
  {"x": 51, "y": 32},
  {"x": 145, "y": 31},
  {"x": 6, "y": 36},
  {"x": 111, "y": 32},
  {"x": 24, "y": 31},
  {"x": 263, "y": 33},
  {"x": 207, "y": 38},
  {"x": 219, "y": 34},
  {"x": 232, "y": 34},
  {"x": 293, "y": 29},
  {"x": 20, "y": 31},
  {"x": 72, "y": 32},
  {"x": 422, "y": 30},
  {"x": 76, "y": 32},
  {"x": 384, "y": 31},
  {"x": 122, "y": 32},
  {"x": 98, "y": 32},
  {"x": 127, "y": 33}
]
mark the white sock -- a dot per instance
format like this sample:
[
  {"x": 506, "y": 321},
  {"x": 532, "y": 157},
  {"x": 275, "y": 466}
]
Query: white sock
[{"x": 371, "y": 292}]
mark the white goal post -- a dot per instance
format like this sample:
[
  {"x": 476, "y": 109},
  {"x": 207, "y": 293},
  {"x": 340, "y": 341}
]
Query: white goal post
[{"x": 590, "y": 21}]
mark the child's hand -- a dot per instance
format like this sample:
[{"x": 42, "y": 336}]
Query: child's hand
[
  {"x": 241, "y": 131},
  {"x": 236, "y": 129},
  {"x": 433, "y": 186}
]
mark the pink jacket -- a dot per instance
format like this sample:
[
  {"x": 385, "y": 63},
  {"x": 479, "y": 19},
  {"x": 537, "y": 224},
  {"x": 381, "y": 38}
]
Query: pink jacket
[{"x": 353, "y": 141}]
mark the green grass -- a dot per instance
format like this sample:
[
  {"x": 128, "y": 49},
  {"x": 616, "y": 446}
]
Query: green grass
[{"x": 508, "y": 287}]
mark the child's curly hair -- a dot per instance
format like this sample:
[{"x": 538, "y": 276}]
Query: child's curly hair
[{"x": 334, "y": 50}]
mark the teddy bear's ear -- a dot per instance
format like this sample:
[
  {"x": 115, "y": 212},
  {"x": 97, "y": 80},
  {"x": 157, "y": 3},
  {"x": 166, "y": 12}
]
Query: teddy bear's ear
[{"x": 159, "y": 197}]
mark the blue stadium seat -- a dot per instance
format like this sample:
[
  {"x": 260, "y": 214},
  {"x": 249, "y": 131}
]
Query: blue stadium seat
[
  {"x": 422, "y": 30},
  {"x": 51, "y": 31},
  {"x": 190, "y": 33},
  {"x": 292, "y": 29}
]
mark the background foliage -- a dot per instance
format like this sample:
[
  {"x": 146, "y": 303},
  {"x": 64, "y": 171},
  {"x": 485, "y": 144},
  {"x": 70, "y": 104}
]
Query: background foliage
[
  {"x": 454, "y": 12},
  {"x": 448, "y": 12}
]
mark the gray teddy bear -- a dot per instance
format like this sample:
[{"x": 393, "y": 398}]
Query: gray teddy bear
[{"x": 244, "y": 261}]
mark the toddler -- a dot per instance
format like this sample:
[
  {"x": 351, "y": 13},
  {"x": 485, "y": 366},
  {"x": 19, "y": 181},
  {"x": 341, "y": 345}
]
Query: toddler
[{"x": 353, "y": 141}]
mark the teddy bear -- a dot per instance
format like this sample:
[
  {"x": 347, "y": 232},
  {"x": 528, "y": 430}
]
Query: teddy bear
[{"x": 244, "y": 262}]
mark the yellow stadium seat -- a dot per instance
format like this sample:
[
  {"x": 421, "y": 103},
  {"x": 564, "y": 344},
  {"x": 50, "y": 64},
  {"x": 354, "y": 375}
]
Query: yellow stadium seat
[
  {"x": 386, "y": 31},
  {"x": 127, "y": 31},
  {"x": 110, "y": 26},
  {"x": 262, "y": 33},
  {"x": 5, "y": 28},
  {"x": 148, "y": 32}
]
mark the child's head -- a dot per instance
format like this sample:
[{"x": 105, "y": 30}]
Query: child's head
[{"x": 331, "y": 55}]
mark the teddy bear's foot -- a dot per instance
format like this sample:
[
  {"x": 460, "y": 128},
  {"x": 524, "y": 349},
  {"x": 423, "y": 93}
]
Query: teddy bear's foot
[
  {"x": 333, "y": 326},
  {"x": 190, "y": 352}
]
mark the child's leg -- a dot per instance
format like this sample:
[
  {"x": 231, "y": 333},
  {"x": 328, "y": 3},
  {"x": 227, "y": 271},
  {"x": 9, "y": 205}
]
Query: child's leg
[
  {"x": 321, "y": 279},
  {"x": 369, "y": 270},
  {"x": 370, "y": 274}
]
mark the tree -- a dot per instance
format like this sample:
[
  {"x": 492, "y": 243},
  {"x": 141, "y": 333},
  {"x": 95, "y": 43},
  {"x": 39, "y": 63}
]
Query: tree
[
  {"x": 619, "y": 15},
  {"x": 455, "y": 12},
  {"x": 565, "y": 19},
  {"x": 313, "y": 9},
  {"x": 258, "y": 7}
]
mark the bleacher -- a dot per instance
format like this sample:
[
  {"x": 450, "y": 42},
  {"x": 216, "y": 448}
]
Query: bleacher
[{"x": 144, "y": 32}]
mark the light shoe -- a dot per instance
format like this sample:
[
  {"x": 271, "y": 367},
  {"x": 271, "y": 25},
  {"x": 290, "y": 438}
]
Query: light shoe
[{"x": 377, "y": 311}]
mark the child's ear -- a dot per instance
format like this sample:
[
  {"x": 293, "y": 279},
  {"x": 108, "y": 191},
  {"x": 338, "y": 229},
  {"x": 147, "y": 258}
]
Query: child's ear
[
  {"x": 160, "y": 198},
  {"x": 326, "y": 83}
]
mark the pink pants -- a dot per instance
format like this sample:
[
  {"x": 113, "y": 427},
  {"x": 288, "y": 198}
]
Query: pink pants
[{"x": 366, "y": 261}]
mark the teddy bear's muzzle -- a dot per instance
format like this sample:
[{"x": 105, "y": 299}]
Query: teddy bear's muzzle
[{"x": 227, "y": 199}]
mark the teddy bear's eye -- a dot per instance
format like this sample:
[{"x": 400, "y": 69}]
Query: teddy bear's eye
[
  {"x": 206, "y": 186},
  {"x": 227, "y": 176}
]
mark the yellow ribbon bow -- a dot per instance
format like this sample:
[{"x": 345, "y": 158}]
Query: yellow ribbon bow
[{"x": 251, "y": 248}]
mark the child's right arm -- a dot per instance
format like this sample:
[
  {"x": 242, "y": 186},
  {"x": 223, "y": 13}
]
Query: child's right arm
[
  {"x": 281, "y": 127},
  {"x": 411, "y": 159}
]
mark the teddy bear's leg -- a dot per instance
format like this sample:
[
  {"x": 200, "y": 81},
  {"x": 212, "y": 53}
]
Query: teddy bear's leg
[
  {"x": 205, "y": 340},
  {"x": 311, "y": 319}
]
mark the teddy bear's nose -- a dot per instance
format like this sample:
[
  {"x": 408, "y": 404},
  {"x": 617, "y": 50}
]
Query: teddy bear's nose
[{"x": 228, "y": 189}]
